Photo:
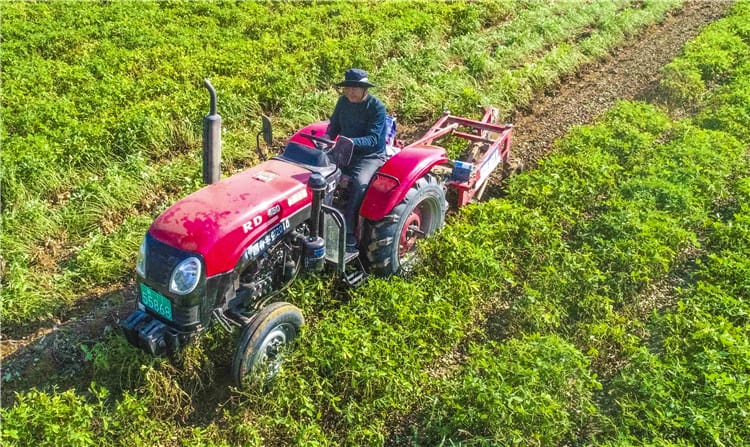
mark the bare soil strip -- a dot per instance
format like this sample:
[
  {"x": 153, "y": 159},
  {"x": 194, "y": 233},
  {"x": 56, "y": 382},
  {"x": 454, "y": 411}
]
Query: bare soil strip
[{"x": 632, "y": 72}]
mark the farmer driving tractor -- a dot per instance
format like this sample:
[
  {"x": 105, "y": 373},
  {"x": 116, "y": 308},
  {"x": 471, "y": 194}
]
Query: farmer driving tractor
[
  {"x": 361, "y": 117},
  {"x": 223, "y": 253}
]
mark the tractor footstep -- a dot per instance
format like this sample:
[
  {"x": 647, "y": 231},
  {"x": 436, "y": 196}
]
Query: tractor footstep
[{"x": 355, "y": 271}]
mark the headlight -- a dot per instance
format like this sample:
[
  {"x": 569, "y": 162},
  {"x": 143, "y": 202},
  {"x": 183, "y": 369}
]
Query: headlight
[
  {"x": 185, "y": 276},
  {"x": 140, "y": 263}
]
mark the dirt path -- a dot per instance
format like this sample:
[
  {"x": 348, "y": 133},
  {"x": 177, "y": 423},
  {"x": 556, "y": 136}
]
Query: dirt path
[
  {"x": 52, "y": 355},
  {"x": 632, "y": 72}
]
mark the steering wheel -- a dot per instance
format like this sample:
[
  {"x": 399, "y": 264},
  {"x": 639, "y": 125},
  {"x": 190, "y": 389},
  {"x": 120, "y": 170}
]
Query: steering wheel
[{"x": 328, "y": 143}]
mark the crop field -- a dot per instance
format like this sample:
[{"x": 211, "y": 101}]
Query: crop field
[
  {"x": 601, "y": 300},
  {"x": 101, "y": 125}
]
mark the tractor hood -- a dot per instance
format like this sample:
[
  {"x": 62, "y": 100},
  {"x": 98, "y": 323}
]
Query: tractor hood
[{"x": 221, "y": 220}]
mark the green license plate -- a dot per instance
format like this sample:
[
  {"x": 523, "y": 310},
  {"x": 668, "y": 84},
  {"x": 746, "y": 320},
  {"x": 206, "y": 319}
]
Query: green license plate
[{"x": 156, "y": 301}]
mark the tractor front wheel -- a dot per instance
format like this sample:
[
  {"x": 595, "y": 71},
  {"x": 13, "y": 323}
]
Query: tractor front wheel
[
  {"x": 391, "y": 242},
  {"x": 264, "y": 341}
]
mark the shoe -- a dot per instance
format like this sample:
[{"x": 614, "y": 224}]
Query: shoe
[
  {"x": 351, "y": 243},
  {"x": 352, "y": 249}
]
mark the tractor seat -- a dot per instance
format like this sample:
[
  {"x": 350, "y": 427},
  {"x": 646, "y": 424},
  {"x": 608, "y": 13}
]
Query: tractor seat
[{"x": 307, "y": 157}]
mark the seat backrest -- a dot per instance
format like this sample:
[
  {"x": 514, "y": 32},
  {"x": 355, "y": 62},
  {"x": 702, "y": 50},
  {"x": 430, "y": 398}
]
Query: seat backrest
[
  {"x": 391, "y": 147},
  {"x": 390, "y": 126}
]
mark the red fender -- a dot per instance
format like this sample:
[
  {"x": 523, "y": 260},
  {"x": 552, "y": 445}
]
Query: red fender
[{"x": 391, "y": 183}]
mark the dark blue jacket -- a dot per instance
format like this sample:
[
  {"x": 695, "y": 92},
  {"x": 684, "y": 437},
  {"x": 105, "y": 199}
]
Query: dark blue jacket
[{"x": 363, "y": 122}]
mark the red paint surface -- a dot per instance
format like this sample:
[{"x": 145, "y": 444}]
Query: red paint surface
[
  {"x": 210, "y": 221},
  {"x": 407, "y": 166},
  {"x": 317, "y": 129}
]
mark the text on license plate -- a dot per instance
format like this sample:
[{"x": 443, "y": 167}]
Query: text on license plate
[{"x": 156, "y": 301}]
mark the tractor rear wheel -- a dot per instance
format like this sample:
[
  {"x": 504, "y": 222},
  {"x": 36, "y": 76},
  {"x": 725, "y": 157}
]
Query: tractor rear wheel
[
  {"x": 264, "y": 341},
  {"x": 390, "y": 243}
]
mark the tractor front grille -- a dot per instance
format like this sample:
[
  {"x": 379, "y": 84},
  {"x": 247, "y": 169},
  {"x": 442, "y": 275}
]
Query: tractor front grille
[{"x": 161, "y": 259}]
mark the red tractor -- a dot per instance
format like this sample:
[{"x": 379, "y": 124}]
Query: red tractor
[{"x": 225, "y": 251}]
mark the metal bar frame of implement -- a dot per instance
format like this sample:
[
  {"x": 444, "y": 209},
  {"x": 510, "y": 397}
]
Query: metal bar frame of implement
[{"x": 497, "y": 137}]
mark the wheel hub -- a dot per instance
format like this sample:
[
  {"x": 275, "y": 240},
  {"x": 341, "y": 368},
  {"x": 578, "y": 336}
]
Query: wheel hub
[
  {"x": 270, "y": 350},
  {"x": 411, "y": 232}
]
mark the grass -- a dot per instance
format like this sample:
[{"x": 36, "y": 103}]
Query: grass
[{"x": 102, "y": 108}]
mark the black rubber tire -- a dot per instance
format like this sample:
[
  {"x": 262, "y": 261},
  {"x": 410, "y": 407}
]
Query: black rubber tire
[
  {"x": 271, "y": 331},
  {"x": 385, "y": 254}
]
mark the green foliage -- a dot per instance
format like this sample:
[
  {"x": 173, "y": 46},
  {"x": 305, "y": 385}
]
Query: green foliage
[
  {"x": 629, "y": 133},
  {"x": 565, "y": 265},
  {"x": 727, "y": 110},
  {"x": 66, "y": 418},
  {"x": 682, "y": 83},
  {"x": 478, "y": 244},
  {"x": 695, "y": 385},
  {"x": 709, "y": 59},
  {"x": 405, "y": 325},
  {"x": 44, "y": 419},
  {"x": 116, "y": 364},
  {"x": 717, "y": 51},
  {"x": 566, "y": 186},
  {"x": 531, "y": 391}
]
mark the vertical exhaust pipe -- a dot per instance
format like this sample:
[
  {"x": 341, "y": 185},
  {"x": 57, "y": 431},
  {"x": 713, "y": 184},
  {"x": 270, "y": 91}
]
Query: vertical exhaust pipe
[
  {"x": 211, "y": 140},
  {"x": 317, "y": 184},
  {"x": 314, "y": 246}
]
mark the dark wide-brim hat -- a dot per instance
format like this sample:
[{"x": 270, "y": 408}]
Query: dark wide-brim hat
[{"x": 355, "y": 77}]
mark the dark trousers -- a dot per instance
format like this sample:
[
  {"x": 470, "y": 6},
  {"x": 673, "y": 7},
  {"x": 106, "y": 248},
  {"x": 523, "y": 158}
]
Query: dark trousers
[{"x": 360, "y": 171}]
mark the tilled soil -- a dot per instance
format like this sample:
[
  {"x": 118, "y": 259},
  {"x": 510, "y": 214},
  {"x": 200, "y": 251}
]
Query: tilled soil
[
  {"x": 52, "y": 355},
  {"x": 631, "y": 72}
]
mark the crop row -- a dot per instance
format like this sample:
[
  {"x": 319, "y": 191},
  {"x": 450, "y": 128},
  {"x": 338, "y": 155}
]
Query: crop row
[
  {"x": 96, "y": 137},
  {"x": 580, "y": 349}
]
